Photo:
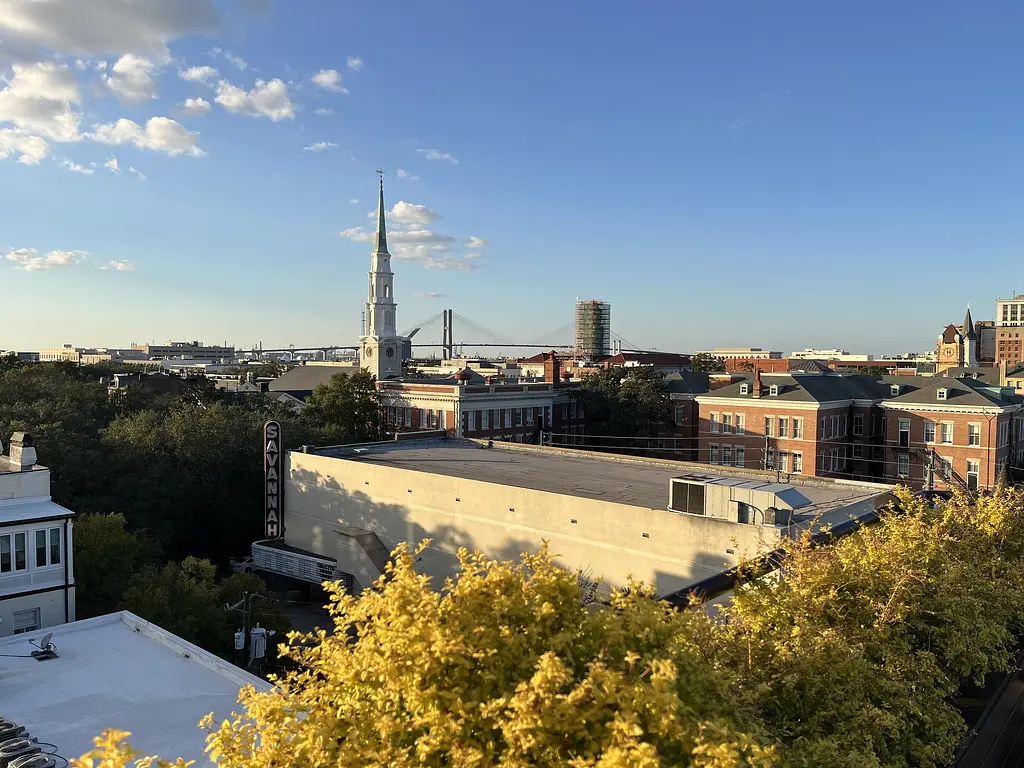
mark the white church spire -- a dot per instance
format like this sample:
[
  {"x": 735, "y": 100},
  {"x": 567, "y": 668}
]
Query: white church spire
[{"x": 380, "y": 348}]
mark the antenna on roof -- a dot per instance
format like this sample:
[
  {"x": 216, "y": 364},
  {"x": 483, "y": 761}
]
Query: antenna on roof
[{"x": 47, "y": 650}]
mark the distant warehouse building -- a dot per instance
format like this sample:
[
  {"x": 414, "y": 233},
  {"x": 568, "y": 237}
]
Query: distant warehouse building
[{"x": 667, "y": 523}]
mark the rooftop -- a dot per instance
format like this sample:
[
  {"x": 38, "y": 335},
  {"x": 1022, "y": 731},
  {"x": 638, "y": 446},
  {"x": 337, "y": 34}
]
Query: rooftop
[
  {"x": 117, "y": 671},
  {"x": 618, "y": 479}
]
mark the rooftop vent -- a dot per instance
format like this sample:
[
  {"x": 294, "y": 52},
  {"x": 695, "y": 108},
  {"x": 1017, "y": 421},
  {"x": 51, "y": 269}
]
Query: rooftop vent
[
  {"x": 18, "y": 747},
  {"x": 9, "y": 729},
  {"x": 39, "y": 760}
]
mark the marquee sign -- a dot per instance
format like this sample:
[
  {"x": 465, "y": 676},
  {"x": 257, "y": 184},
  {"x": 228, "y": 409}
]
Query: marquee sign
[{"x": 273, "y": 472}]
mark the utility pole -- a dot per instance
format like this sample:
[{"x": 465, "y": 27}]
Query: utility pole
[{"x": 244, "y": 606}]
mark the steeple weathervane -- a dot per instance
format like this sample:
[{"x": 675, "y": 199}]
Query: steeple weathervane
[{"x": 382, "y": 234}]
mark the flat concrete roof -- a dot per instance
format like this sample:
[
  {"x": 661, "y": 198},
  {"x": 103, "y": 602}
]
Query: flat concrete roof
[
  {"x": 118, "y": 671},
  {"x": 618, "y": 479}
]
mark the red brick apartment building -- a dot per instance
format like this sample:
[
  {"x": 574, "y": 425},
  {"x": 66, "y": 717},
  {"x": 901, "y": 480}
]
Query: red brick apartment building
[
  {"x": 468, "y": 405},
  {"x": 923, "y": 432}
]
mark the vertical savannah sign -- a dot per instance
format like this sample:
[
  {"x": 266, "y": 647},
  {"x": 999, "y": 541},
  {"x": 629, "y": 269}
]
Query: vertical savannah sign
[{"x": 273, "y": 487}]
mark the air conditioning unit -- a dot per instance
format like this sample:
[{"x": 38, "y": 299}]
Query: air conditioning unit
[{"x": 18, "y": 747}]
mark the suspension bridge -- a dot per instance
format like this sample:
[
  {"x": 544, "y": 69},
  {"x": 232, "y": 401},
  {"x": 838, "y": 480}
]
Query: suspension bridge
[{"x": 459, "y": 336}]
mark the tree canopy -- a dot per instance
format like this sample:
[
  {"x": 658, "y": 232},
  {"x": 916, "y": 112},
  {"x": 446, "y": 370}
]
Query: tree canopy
[
  {"x": 347, "y": 409},
  {"x": 849, "y": 659},
  {"x": 706, "y": 362},
  {"x": 625, "y": 403}
]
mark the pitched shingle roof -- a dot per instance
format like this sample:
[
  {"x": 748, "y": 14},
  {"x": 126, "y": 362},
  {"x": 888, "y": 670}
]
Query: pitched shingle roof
[
  {"x": 809, "y": 388},
  {"x": 687, "y": 383},
  {"x": 922, "y": 390}
]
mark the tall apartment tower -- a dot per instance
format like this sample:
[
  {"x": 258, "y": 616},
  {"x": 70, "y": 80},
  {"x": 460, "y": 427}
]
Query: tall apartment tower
[
  {"x": 380, "y": 350},
  {"x": 593, "y": 329},
  {"x": 1009, "y": 327}
]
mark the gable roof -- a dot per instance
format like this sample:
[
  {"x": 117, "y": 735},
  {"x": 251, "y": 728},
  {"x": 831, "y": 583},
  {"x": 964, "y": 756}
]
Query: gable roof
[
  {"x": 687, "y": 383},
  {"x": 972, "y": 393},
  {"x": 950, "y": 333},
  {"x": 303, "y": 379},
  {"x": 807, "y": 388}
]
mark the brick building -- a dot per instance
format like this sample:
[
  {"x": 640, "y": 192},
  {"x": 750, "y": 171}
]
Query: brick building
[
  {"x": 1009, "y": 324},
  {"x": 799, "y": 423},
  {"x": 943, "y": 432},
  {"x": 932, "y": 432}
]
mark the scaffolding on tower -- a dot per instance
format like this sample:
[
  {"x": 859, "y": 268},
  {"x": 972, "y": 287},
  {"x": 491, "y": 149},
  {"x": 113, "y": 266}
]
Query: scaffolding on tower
[{"x": 593, "y": 329}]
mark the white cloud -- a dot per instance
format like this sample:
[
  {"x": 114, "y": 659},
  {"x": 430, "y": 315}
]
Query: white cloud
[
  {"x": 29, "y": 260},
  {"x": 138, "y": 174},
  {"x": 431, "y": 295},
  {"x": 119, "y": 266},
  {"x": 320, "y": 146},
  {"x": 38, "y": 99},
  {"x": 477, "y": 242},
  {"x": 354, "y": 201},
  {"x": 436, "y": 154},
  {"x": 329, "y": 80},
  {"x": 100, "y": 66},
  {"x": 198, "y": 74},
  {"x": 81, "y": 65},
  {"x": 323, "y": 111},
  {"x": 196, "y": 107},
  {"x": 409, "y": 213},
  {"x": 236, "y": 61},
  {"x": 131, "y": 79},
  {"x": 75, "y": 167},
  {"x": 265, "y": 100},
  {"x": 355, "y": 63},
  {"x": 161, "y": 134},
  {"x": 31, "y": 149},
  {"x": 403, "y": 174},
  {"x": 112, "y": 165},
  {"x": 143, "y": 27}
]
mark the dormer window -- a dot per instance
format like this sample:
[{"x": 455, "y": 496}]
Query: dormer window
[
  {"x": 744, "y": 389},
  {"x": 773, "y": 390},
  {"x": 943, "y": 394},
  {"x": 894, "y": 390}
]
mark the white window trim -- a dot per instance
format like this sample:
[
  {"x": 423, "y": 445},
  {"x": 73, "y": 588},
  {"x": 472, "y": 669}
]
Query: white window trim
[{"x": 970, "y": 426}]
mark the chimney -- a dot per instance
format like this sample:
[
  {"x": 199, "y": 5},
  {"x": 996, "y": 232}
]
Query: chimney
[
  {"x": 552, "y": 368},
  {"x": 23, "y": 453},
  {"x": 1002, "y": 373},
  {"x": 757, "y": 382}
]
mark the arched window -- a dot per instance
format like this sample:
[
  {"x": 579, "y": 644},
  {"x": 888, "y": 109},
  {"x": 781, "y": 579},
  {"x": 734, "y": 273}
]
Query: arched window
[{"x": 387, "y": 291}]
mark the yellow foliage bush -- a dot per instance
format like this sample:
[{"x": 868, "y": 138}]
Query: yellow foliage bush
[{"x": 849, "y": 659}]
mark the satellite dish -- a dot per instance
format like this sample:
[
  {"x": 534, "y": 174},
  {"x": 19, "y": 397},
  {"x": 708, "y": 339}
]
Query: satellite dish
[{"x": 45, "y": 642}]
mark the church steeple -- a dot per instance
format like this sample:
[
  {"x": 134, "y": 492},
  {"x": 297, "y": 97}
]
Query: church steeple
[
  {"x": 969, "y": 325},
  {"x": 382, "y": 232}
]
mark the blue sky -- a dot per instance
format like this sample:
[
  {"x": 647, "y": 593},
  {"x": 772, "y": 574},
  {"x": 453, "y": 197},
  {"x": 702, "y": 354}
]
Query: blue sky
[{"x": 782, "y": 174}]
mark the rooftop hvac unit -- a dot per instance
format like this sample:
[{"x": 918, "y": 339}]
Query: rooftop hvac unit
[
  {"x": 38, "y": 760},
  {"x": 9, "y": 729},
  {"x": 18, "y": 747}
]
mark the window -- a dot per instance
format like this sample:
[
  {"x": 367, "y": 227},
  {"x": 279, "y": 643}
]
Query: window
[
  {"x": 769, "y": 459},
  {"x": 41, "y": 549},
  {"x": 13, "y": 552},
  {"x": 783, "y": 461},
  {"x": 769, "y": 425},
  {"x": 744, "y": 389},
  {"x": 25, "y": 621},
  {"x": 423, "y": 418},
  {"x": 519, "y": 417},
  {"x": 798, "y": 462},
  {"x": 941, "y": 394},
  {"x": 835, "y": 427},
  {"x": 741, "y": 427},
  {"x": 904, "y": 433},
  {"x": 408, "y": 416},
  {"x": 783, "y": 426},
  {"x": 798, "y": 429},
  {"x": 858, "y": 425},
  {"x": 444, "y": 419},
  {"x": 433, "y": 418},
  {"x": 529, "y": 416},
  {"x": 903, "y": 464},
  {"x": 974, "y": 434},
  {"x": 727, "y": 454},
  {"x": 713, "y": 455},
  {"x": 929, "y": 431},
  {"x": 858, "y": 451},
  {"x": 973, "y": 470},
  {"x": 740, "y": 459},
  {"x": 485, "y": 419},
  {"x": 894, "y": 390},
  {"x": 713, "y": 422},
  {"x": 680, "y": 416},
  {"x": 472, "y": 422},
  {"x": 773, "y": 390},
  {"x": 727, "y": 422},
  {"x": 946, "y": 433}
]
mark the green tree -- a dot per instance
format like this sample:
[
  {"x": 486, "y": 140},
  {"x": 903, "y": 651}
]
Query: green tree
[
  {"x": 107, "y": 558},
  {"x": 705, "y": 362},
  {"x": 347, "y": 409},
  {"x": 624, "y": 403}
]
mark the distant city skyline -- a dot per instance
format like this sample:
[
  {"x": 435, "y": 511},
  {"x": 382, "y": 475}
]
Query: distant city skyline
[{"x": 783, "y": 176}]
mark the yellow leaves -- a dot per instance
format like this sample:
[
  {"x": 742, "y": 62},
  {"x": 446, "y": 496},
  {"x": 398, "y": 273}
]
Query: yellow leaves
[{"x": 113, "y": 751}]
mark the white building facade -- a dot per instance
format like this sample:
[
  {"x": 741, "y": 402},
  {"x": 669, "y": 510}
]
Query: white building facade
[{"x": 37, "y": 585}]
